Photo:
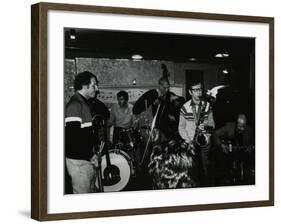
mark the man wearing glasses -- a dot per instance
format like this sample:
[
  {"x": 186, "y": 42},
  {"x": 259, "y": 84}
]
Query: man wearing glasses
[{"x": 196, "y": 116}]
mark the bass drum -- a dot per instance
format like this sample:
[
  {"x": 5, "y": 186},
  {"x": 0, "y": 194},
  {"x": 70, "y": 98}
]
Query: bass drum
[{"x": 121, "y": 160}]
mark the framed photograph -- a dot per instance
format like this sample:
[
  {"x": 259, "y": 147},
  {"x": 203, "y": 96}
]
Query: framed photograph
[{"x": 138, "y": 111}]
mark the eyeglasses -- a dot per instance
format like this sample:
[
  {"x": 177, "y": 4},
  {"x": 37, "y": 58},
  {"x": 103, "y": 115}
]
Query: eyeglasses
[{"x": 197, "y": 90}]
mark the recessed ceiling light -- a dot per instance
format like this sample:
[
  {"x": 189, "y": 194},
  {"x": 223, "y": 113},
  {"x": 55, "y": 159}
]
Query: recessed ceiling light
[
  {"x": 222, "y": 55},
  {"x": 192, "y": 59},
  {"x": 137, "y": 57},
  {"x": 225, "y": 54},
  {"x": 219, "y": 55},
  {"x": 225, "y": 71}
]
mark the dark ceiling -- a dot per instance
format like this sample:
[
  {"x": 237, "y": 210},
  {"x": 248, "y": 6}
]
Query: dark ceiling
[{"x": 156, "y": 46}]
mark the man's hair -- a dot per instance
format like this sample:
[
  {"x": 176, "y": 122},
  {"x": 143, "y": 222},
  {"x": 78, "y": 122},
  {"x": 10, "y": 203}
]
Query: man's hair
[
  {"x": 163, "y": 80},
  {"x": 123, "y": 94},
  {"x": 194, "y": 83},
  {"x": 82, "y": 79}
]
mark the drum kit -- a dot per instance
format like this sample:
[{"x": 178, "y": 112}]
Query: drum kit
[{"x": 123, "y": 155}]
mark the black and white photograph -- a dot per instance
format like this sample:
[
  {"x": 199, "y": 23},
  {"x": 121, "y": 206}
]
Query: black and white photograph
[
  {"x": 157, "y": 111},
  {"x": 140, "y": 111}
]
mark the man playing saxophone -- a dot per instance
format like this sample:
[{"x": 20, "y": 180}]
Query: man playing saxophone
[{"x": 196, "y": 119}]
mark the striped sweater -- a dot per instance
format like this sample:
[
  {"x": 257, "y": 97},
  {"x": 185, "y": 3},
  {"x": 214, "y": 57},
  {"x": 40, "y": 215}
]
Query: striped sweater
[
  {"x": 78, "y": 129},
  {"x": 189, "y": 116}
]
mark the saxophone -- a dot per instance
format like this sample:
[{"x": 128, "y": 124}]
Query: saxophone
[{"x": 201, "y": 137}]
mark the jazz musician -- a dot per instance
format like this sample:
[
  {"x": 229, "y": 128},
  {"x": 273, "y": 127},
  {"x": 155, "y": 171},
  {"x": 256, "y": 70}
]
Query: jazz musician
[
  {"x": 196, "y": 118},
  {"x": 79, "y": 138},
  {"x": 162, "y": 102},
  {"x": 121, "y": 116},
  {"x": 235, "y": 141}
]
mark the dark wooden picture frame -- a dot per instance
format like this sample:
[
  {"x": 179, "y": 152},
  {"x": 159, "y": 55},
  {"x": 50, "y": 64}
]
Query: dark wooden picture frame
[{"x": 39, "y": 108}]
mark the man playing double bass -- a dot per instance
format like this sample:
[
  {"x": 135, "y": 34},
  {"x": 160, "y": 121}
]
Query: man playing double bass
[
  {"x": 163, "y": 104},
  {"x": 165, "y": 107}
]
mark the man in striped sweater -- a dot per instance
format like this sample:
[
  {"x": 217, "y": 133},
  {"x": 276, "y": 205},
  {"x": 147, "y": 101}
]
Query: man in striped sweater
[
  {"x": 79, "y": 139},
  {"x": 197, "y": 113}
]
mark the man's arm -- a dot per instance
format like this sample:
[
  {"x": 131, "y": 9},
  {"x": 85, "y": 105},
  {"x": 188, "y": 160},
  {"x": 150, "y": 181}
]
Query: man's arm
[
  {"x": 112, "y": 118},
  {"x": 73, "y": 129}
]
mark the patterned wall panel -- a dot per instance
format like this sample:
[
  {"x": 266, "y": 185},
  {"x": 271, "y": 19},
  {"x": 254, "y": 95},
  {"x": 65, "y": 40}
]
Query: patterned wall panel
[
  {"x": 122, "y": 72},
  {"x": 69, "y": 75}
]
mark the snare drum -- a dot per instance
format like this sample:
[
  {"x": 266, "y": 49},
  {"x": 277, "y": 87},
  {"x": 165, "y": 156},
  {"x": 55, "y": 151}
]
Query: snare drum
[{"x": 123, "y": 162}]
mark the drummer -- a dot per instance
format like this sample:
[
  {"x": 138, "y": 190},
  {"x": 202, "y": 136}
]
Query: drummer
[{"x": 121, "y": 116}]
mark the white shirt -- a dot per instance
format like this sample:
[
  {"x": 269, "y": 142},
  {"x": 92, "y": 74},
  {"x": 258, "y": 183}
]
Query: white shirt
[{"x": 121, "y": 116}]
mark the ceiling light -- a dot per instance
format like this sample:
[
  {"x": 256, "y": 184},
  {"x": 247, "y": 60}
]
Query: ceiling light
[
  {"x": 72, "y": 37},
  {"x": 225, "y": 71},
  {"x": 219, "y": 55},
  {"x": 72, "y": 34},
  {"x": 192, "y": 59},
  {"x": 137, "y": 57},
  {"x": 225, "y": 54}
]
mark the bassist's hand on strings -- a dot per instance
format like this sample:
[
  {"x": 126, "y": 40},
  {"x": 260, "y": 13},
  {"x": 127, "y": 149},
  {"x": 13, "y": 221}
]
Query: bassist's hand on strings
[
  {"x": 171, "y": 117},
  {"x": 157, "y": 102}
]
